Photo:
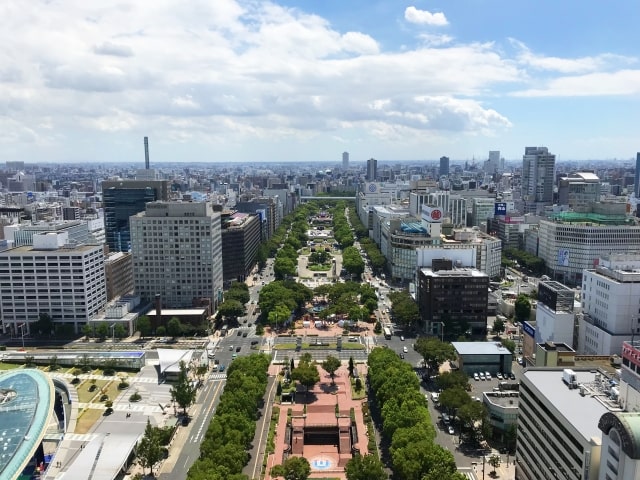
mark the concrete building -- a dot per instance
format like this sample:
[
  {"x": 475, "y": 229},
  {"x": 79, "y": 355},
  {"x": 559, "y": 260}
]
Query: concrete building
[
  {"x": 267, "y": 211},
  {"x": 66, "y": 282},
  {"x": 571, "y": 242},
  {"x": 453, "y": 301},
  {"x": 444, "y": 167},
  {"x": 121, "y": 200},
  {"x": 177, "y": 254},
  {"x": 555, "y": 318},
  {"x": 22, "y": 233},
  {"x": 482, "y": 209},
  {"x": 476, "y": 357},
  {"x": 538, "y": 179},
  {"x": 372, "y": 170},
  {"x": 118, "y": 267},
  {"x": 240, "y": 242},
  {"x": 345, "y": 160},
  {"x": 611, "y": 309},
  {"x": 578, "y": 191}
]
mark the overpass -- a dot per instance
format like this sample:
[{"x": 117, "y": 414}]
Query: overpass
[{"x": 305, "y": 198}]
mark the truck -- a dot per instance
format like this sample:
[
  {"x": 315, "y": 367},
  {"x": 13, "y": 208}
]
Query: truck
[{"x": 569, "y": 377}]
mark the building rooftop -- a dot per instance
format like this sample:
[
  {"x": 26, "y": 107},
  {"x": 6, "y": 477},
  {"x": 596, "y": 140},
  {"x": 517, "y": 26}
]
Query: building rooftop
[
  {"x": 30, "y": 250},
  {"x": 456, "y": 272},
  {"x": 581, "y": 411},
  {"x": 480, "y": 348}
]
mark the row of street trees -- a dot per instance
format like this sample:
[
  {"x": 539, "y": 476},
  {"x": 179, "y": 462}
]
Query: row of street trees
[
  {"x": 406, "y": 423},
  {"x": 404, "y": 309},
  {"x": 281, "y": 297},
  {"x": 341, "y": 229},
  {"x": 358, "y": 300}
]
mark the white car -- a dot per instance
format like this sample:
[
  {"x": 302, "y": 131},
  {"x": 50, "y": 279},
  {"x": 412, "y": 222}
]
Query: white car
[
  {"x": 481, "y": 375},
  {"x": 405, "y": 349},
  {"x": 499, "y": 376},
  {"x": 401, "y": 338},
  {"x": 451, "y": 431},
  {"x": 476, "y": 377}
]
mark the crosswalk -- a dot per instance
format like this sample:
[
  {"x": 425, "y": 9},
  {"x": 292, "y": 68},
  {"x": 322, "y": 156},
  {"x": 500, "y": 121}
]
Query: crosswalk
[
  {"x": 217, "y": 376},
  {"x": 468, "y": 473}
]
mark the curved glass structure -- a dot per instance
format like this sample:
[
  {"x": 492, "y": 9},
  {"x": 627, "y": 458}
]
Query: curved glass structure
[{"x": 26, "y": 406}]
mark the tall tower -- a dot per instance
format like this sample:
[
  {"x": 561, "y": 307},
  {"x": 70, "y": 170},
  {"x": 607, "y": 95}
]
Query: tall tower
[
  {"x": 372, "y": 169},
  {"x": 538, "y": 174},
  {"x": 444, "y": 166},
  {"x": 636, "y": 182},
  {"x": 146, "y": 153},
  {"x": 345, "y": 160}
]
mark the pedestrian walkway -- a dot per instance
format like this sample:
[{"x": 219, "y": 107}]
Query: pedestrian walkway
[
  {"x": 107, "y": 378},
  {"x": 217, "y": 376}
]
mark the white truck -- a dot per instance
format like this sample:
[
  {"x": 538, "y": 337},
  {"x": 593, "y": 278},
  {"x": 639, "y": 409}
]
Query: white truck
[{"x": 569, "y": 377}]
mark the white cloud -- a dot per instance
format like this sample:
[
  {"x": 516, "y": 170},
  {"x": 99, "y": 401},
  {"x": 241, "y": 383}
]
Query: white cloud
[
  {"x": 432, "y": 40},
  {"x": 424, "y": 17},
  {"x": 114, "y": 49},
  {"x": 622, "y": 82}
]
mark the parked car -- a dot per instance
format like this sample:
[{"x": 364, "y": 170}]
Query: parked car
[
  {"x": 221, "y": 368},
  {"x": 488, "y": 375},
  {"x": 481, "y": 375},
  {"x": 238, "y": 348},
  {"x": 512, "y": 376},
  {"x": 405, "y": 350},
  {"x": 231, "y": 348},
  {"x": 476, "y": 377},
  {"x": 451, "y": 431},
  {"x": 499, "y": 376},
  {"x": 402, "y": 338},
  {"x": 244, "y": 334}
]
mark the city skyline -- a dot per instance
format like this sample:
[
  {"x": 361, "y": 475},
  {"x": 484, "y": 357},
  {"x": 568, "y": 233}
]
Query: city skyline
[{"x": 240, "y": 81}]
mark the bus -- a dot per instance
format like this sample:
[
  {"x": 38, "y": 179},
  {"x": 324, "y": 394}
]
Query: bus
[{"x": 387, "y": 333}]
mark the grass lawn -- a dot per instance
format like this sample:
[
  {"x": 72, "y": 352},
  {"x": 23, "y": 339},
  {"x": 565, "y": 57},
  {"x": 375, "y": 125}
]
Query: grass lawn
[
  {"x": 355, "y": 394},
  {"x": 9, "y": 366},
  {"x": 88, "y": 419},
  {"x": 85, "y": 396}
]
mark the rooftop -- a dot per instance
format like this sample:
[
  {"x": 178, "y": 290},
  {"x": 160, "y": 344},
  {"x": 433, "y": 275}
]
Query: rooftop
[
  {"x": 456, "y": 272},
  {"x": 480, "y": 348}
]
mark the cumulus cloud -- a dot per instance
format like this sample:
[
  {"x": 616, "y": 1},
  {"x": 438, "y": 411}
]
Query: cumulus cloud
[
  {"x": 424, "y": 17},
  {"x": 113, "y": 49},
  {"x": 622, "y": 82}
]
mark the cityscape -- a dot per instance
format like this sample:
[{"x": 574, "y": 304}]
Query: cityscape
[
  {"x": 390, "y": 309},
  {"x": 275, "y": 239}
]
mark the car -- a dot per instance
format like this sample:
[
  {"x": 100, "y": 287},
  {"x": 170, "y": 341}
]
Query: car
[
  {"x": 239, "y": 333},
  {"x": 254, "y": 342},
  {"x": 234, "y": 355},
  {"x": 512, "y": 376},
  {"x": 221, "y": 368},
  {"x": 238, "y": 348},
  {"x": 488, "y": 375},
  {"x": 244, "y": 334},
  {"x": 402, "y": 338},
  {"x": 499, "y": 376},
  {"x": 211, "y": 354},
  {"x": 451, "y": 431},
  {"x": 476, "y": 377},
  {"x": 402, "y": 356},
  {"x": 231, "y": 348},
  {"x": 405, "y": 349},
  {"x": 481, "y": 375}
]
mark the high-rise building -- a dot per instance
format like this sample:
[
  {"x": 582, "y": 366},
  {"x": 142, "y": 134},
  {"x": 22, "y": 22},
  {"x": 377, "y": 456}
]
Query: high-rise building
[
  {"x": 444, "y": 166},
  {"x": 124, "y": 198},
  {"x": 493, "y": 164},
  {"x": 118, "y": 267},
  {"x": 66, "y": 282},
  {"x": 538, "y": 175},
  {"x": 177, "y": 253},
  {"x": 579, "y": 191},
  {"x": 240, "y": 242},
  {"x": 636, "y": 185},
  {"x": 345, "y": 160},
  {"x": 372, "y": 169}
]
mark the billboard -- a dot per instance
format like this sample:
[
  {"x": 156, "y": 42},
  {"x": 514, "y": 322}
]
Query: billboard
[
  {"x": 563, "y": 257},
  {"x": 500, "y": 208}
]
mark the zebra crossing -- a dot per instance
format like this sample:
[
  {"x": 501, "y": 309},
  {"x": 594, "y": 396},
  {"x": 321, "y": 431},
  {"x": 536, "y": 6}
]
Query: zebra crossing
[
  {"x": 217, "y": 376},
  {"x": 468, "y": 473}
]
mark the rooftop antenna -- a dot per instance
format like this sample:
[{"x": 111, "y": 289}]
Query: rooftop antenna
[{"x": 146, "y": 153}]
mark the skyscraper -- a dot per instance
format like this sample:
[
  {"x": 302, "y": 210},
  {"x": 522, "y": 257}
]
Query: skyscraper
[
  {"x": 345, "y": 160},
  {"x": 372, "y": 169},
  {"x": 122, "y": 199},
  {"x": 538, "y": 173},
  {"x": 636, "y": 184},
  {"x": 444, "y": 166},
  {"x": 177, "y": 253}
]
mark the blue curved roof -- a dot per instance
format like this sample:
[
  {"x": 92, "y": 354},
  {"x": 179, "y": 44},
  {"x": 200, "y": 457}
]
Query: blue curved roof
[
  {"x": 412, "y": 227},
  {"x": 26, "y": 406}
]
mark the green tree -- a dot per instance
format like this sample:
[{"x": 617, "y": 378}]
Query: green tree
[
  {"x": 174, "y": 327},
  {"x": 352, "y": 366},
  {"x": 454, "y": 378},
  {"x": 405, "y": 309},
  {"x": 508, "y": 344},
  {"x": 367, "y": 467},
  {"x": 161, "y": 331},
  {"x": 231, "y": 308},
  {"x": 494, "y": 461},
  {"x": 53, "y": 363},
  {"x": 183, "y": 392},
  {"x": 330, "y": 365},
  {"x": 143, "y": 325},
  {"x": 522, "y": 308},
  {"x": 454, "y": 398},
  {"x": 293, "y": 468},
  {"x": 499, "y": 326},
  {"x": 119, "y": 331},
  {"x": 44, "y": 325},
  {"x": 306, "y": 373},
  {"x": 434, "y": 352},
  {"x": 283, "y": 267},
  {"x": 149, "y": 449},
  {"x": 102, "y": 331},
  {"x": 87, "y": 330}
]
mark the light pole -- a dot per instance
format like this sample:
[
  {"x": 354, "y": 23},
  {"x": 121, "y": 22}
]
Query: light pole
[
  {"x": 21, "y": 327},
  {"x": 113, "y": 333}
]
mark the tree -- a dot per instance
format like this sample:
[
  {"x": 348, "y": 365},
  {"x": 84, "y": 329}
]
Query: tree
[
  {"x": 87, "y": 330},
  {"x": 293, "y": 468},
  {"x": 53, "y": 363},
  {"x": 352, "y": 366},
  {"x": 454, "y": 398},
  {"x": 330, "y": 365},
  {"x": 174, "y": 327},
  {"x": 306, "y": 373},
  {"x": 149, "y": 449},
  {"x": 161, "y": 331},
  {"x": 44, "y": 325},
  {"x": 144, "y": 326},
  {"x": 434, "y": 352},
  {"x": 283, "y": 267},
  {"x": 499, "y": 326},
  {"x": 231, "y": 308},
  {"x": 119, "y": 331},
  {"x": 494, "y": 461},
  {"x": 509, "y": 345},
  {"x": 367, "y": 467},
  {"x": 405, "y": 309},
  {"x": 183, "y": 392},
  {"x": 454, "y": 378},
  {"x": 510, "y": 437},
  {"x": 102, "y": 331},
  {"x": 522, "y": 308}
]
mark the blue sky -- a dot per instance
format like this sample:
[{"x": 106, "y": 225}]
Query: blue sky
[{"x": 235, "y": 80}]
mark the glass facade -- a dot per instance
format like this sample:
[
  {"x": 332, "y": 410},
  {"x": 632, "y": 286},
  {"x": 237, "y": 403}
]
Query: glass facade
[{"x": 119, "y": 205}]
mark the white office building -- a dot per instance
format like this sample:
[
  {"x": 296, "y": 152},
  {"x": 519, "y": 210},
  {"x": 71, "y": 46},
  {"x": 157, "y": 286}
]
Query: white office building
[
  {"x": 65, "y": 281},
  {"x": 555, "y": 317},
  {"x": 610, "y": 304},
  {"x": 177, "y": 253}
]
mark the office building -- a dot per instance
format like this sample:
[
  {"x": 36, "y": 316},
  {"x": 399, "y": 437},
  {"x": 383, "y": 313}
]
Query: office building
[
  {"x": 578, "y": 191},
  {"x": 610, "y": 306},
  {"x": 66, "y": 282},
  {"x": 444, "y": 167},
  {"x": 124, "y": 198},
  {"x": 555, "y": 318},
  {"x": 372, "y": 170},
  {"x": 240, "y": 243},
  {"x": 482, "y": 209},
  {"x": 493, "y": 165},
  {"x": 538, "y": 178},
  {"x": 345, "y": 160},
  {"x": 22, "y": 233},
  {"x": 636, "y": 184},
  {"x": 118, "y": 267},
  {"x": 453, "y": 301},
  {"x": 177, "y": 254}
]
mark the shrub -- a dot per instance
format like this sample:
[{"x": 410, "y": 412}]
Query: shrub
[
  {"x": 136, "y": 397},
  {"x": 123, "y": 385}
]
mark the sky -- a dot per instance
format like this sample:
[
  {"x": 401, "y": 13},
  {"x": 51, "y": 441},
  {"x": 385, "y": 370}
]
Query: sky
[{"x": 250, "y": 81}]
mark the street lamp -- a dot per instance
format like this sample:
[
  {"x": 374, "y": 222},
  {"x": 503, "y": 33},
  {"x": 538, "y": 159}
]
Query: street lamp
[
  {"x": 113, "y": 333},
  {"x": 21, "y": 327}
]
